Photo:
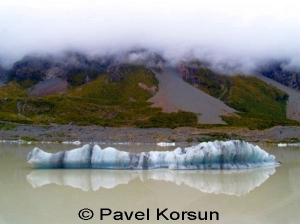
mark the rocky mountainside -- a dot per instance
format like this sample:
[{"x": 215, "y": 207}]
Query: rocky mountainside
[
  {"x": 174, "y": 94},
  {"x": 254, "y": 98},
  {"x": 293, "y": 104},
  {"x": 277, "y": 72},
  {"x": 135, "y": 89},
  {"x": 54, "y": 74},
  {"x": 33, "y": 69},
  {"x": 36, "y": 68},
  {"x": 198, "y": 75},
  {"x": 3, "y": 75}
]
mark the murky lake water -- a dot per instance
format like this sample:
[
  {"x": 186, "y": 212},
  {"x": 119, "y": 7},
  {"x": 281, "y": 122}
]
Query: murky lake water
[{"x": 28, "y": 195}]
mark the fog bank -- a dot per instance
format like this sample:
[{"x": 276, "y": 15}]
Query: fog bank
[{"x": 230, "y": 35}]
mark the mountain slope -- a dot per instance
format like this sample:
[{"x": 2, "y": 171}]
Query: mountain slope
[
  {"x": 258, "y": 104},
  {"x": 3, "y": 75},
  {"x": 136, "y": 90},
  {"x": 122, "y": 91},
  {"x": 175, "y": 94},
  {"x": 279, "y": 71},
  {"x": 293, "y": 104},
  {"x": 102, "y": 101}
]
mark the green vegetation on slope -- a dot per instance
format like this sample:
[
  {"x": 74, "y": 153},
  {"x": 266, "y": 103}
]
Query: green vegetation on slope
[
  {"x": 259, "y": 105},
  {"x": 100, "y": 102},
  {"x": 124, "y": 103},
  {"x": 9, "y": 96},
  {"x": 12, "y": 89},
  {"x": 254, "y": 98},
  {"x": 206, "y": 80},
  {"x": 121, "y": 92}
]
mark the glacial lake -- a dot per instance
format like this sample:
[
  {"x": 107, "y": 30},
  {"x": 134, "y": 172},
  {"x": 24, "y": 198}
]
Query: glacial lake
[{"x": 260, "y": 196}]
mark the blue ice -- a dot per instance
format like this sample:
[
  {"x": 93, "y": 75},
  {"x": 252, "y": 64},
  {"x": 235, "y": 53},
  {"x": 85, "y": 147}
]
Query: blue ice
[{"x": 233, "y": 154}]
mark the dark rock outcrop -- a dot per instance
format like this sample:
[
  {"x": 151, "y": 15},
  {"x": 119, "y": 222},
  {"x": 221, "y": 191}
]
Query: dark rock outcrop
[
  {"x": 201, "y": 77},
  {"x": 78, "y": 69},
  {"x": 3, "y": 75},
  {"x": 115, "y": 74},
  {"x": 75, "y": 68},
  {"x": 277, "y": 72},
  {"x": 190, "y": 73}
]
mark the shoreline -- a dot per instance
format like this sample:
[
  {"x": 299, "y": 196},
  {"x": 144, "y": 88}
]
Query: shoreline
[{"x": 61, "y": 133}]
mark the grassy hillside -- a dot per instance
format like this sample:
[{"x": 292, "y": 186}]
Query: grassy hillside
[
  {"x": 124, "y": 103},
  {"x": 259, "y": 105},
  {"x": 100, "y": 102},
  {"x": 12, "y": 89},
  {"x": 121, "y": 92},
  {"x": 253, "y": 97},
  {"x": 9, "y": 96}
]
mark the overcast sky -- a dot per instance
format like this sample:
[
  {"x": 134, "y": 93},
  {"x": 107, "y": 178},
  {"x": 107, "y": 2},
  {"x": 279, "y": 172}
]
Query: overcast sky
[{"x": 237, "y": 32}]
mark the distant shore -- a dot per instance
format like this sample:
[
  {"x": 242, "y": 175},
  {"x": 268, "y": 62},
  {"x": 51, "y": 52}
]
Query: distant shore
[{"x": 62, "y": 133}]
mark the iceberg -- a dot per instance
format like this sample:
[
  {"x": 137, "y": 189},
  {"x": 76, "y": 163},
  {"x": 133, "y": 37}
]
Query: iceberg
[{"x": 207, "y": 155}]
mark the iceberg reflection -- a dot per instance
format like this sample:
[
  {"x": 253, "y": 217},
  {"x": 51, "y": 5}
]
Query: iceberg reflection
[{"x": 230, "y": 182}]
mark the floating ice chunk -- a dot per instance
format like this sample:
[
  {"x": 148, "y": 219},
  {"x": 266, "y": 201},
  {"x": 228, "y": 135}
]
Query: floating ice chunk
[
  {"x": 165, "y": 144},
  {"x": 210, "y": 155},
  {"x": 282, "y": 145},
  {"x": 74, "y": 143}
]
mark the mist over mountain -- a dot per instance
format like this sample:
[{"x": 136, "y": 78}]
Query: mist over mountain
[
  {"x": 139, "y": 88},
  {"x": 120, "y": 63},
  {"x": 231, "y": 37},
  {"x": 78, "y": 67},
  {"x": 281, "y": 72}
]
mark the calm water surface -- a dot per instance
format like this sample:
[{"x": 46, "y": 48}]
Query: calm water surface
[{"x": 27, "y": 195}]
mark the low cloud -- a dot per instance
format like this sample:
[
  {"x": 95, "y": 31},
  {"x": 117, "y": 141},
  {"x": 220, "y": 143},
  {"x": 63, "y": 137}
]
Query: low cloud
[
  {"x": 292, "y": 65},
  {"x": 231, "y": 36}
]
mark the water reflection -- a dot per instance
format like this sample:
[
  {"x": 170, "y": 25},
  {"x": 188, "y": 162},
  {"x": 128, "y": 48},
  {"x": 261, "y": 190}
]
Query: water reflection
[
  {"x": 53, "y": 200},
  {"x": 230, "y": 182},
  {"x": 294, "y": 182}
]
